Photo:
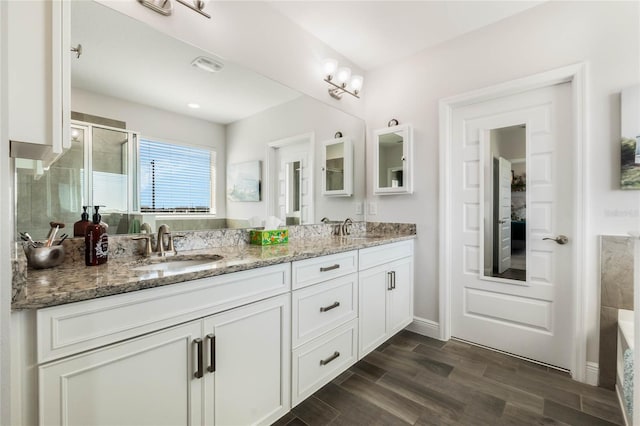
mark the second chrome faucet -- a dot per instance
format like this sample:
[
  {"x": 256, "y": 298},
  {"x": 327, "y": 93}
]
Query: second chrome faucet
[{"x": 161, "y": 248}]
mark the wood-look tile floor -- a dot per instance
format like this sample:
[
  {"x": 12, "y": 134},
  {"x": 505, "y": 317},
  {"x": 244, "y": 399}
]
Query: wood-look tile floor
[{"x": 412, "y": 379}]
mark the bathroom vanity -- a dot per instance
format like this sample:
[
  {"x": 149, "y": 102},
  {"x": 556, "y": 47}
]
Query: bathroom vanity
[{"x": 239, "y": 340}]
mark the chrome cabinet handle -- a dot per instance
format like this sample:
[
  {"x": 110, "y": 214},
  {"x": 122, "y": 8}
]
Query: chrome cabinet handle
[
  {"x": 389, "y": 280},
  {"x": 560, "y": 239},
  {"x": 329, "y": 268},
  {"x": 212, "y": 353},
  {"x": 335, "y": 355},
  {"x": 393, "y": 280},
  {"x": 199, "y": 372},
  {"x": 330, "y": 307}
]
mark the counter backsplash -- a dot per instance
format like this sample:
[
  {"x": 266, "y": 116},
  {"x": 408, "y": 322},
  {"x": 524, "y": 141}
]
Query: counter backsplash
[{"x": 124, "y": 246}]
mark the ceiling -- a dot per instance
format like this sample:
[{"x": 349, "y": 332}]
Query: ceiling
[
  {"x": 375, "y": 33},
  {"x": 123, "y": 59},
  {"x": 126, "y": 60}
]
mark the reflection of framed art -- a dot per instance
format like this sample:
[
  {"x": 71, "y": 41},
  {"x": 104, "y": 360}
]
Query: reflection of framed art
[
  {"x": 243, "y": 181},
  {"x": 630, "y": 143}
]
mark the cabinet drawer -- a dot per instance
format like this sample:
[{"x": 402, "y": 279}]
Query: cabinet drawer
[
  {"x": 321, "y": 360},
  {"x": 319, "y": 308},
  {"x": 374, "y": 256},
  {"x": 68, "y": 329},
  {"x": 318, "y": 269}
]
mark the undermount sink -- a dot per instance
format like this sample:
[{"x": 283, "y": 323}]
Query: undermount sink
[{"x": 178, "y": 265}]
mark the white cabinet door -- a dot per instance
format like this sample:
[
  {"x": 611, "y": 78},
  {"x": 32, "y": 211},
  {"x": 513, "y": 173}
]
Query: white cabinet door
[
  {"x": 250, "y": 354},
  {"x": 400, "y": 302},
  {"x": 372, "y": 324},
  {"x": 386, "y": 302},
  {"x": 144, "y": 381},
  {"x": 39, "y": 78}
]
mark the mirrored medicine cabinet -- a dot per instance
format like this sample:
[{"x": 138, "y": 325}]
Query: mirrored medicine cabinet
[
  {"x": 393, "y": 152},
  {"x": 337, "y": 167}
]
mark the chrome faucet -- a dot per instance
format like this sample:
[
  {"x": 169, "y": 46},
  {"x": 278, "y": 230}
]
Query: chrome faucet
[
  {"x": 162, "y": 231},
  {"x": 345, "y": 227}
]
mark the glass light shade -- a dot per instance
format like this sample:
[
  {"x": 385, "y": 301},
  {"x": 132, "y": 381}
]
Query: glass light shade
[
  {"x": 343, "y": 74},
  {"x": 356, "y": 83},
  {"x": 330, "y": 66}
]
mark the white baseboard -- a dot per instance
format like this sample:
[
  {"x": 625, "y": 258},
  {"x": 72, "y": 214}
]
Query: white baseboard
[
  {"x": 593, "y": 370},
  {"x": 425, "y": 327}
]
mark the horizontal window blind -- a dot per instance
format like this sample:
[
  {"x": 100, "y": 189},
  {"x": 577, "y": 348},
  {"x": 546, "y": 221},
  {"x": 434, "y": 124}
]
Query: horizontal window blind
[{"x": 175, "y": 179}]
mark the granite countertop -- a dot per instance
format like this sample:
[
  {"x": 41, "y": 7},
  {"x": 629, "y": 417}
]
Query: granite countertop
[{"x": 74, "y": 282}]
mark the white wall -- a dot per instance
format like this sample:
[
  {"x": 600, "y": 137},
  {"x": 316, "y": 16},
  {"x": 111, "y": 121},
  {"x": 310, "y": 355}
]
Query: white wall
[
  {"x": 160, "y": 125},
  {"x": 253, "y": 34},
  {"x": 555, "y": 34},
  {"x": 247, "y": 141}
]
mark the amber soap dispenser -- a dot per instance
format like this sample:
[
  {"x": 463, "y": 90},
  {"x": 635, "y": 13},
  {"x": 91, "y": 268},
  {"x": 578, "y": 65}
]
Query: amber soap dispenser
[
  {"x": 80, "y": 227},
  {"x": 96, "y": 241}
]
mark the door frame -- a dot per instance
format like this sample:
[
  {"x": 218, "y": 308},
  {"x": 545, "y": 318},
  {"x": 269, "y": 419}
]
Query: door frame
[
  {"x": 272, "y": 173},
  {"x": 575, "y": 74}
]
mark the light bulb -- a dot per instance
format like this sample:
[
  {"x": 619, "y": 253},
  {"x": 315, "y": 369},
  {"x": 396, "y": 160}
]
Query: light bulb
[
  {"x": 330, "y": 66},
  {"x": 343, "y": 74},
  {"x": 75, "y": 134},
  {"x": 356, "y": 83}
]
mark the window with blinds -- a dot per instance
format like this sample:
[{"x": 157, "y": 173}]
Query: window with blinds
[{"x": 176, "y": 179}]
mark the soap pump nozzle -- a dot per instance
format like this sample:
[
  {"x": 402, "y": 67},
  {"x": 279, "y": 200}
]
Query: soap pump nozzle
[{"x": 96, "y": 216}]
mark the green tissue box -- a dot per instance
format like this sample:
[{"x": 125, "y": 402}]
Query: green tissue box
[{"x": 267, "y": 238}]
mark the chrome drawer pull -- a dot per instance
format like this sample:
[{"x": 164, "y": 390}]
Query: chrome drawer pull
[
  {"x": 330, "y": 307},
  {"x": 335, "y": 355},
  {"x": 329, "y": 268}
]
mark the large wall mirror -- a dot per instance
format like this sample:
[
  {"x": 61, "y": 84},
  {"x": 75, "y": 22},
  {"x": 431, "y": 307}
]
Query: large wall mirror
[
  {"x": 156, "y": 124},
  {"x": 505, "y": 201}
]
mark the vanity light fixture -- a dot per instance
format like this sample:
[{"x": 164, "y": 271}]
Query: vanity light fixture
[
  {"x": 341, "y": 79},
  {"x": 165, "y": 7},
  {"x": 197, "y": 6}
]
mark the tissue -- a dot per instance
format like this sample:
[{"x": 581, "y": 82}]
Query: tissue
[{"x": 271, "y": 223}]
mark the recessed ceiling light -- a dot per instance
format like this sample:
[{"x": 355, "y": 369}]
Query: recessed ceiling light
[
  {"x": 207, "y": 64},
  {"x": 193, "y": 105}
]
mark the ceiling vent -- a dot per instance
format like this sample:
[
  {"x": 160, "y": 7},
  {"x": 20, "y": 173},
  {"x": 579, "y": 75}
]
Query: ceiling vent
[{"x": 207, "y": 64}]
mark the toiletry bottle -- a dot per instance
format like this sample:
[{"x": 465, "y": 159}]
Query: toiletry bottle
[
  {"x": 80, "y": 227},
  {"x": 96, "y": 242}
]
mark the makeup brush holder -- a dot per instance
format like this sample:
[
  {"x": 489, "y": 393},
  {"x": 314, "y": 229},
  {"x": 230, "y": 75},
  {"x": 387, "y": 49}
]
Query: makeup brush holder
[{"x": 44, "y": 257}]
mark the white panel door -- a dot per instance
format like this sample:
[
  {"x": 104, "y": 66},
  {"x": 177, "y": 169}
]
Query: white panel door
[
  {"x": 504, "y": 214},
  {"x": 144, "y": 381},
  {"x": 285, "y": 156},
  {"x": 531, "y": 318},
  {"x": 249, "y": 352}
]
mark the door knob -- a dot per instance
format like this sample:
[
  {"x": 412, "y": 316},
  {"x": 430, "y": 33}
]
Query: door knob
[{"x": 560, "y": 239}]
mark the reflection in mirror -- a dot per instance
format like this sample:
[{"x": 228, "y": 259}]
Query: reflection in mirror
[
  {"x": 505, "y": 195},
  {"x": 390, "y": 146},
  {"x": 233, "y": 113},
  {"x": 290, "y": 170},
  {"x": 334, "y": 167}
]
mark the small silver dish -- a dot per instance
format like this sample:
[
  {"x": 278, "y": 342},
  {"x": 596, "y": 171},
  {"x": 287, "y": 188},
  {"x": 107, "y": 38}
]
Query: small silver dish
[{"x": 44, "y": 257}]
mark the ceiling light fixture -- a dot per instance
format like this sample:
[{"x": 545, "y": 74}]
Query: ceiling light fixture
[
  {"x": 207, "y": 64},
  {"x": 341, "y": 79},
  {"x": 193, "y": 105}
]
